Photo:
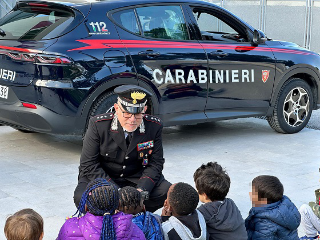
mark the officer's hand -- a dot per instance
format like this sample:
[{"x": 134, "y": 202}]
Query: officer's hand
[{"x": 144, "y": 194}]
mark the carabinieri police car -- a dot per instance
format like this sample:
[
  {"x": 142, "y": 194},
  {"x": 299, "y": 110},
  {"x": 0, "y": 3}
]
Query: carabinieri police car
[{"x": 59, "y": 64}]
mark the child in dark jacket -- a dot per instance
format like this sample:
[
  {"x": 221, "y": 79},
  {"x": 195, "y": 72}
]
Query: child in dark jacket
[
  {"x": 131, "y": 202},
  {"x": 98, "y": 219},
  {"x": 223, "y": 218},
  {"x": 181, "y": 219},
  {"x": 273, "y": 215}
]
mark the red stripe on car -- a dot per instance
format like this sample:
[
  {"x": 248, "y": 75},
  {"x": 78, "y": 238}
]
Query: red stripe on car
[
  {"x": 19, "y": 49},
  {"x": 112, "y": 43}
]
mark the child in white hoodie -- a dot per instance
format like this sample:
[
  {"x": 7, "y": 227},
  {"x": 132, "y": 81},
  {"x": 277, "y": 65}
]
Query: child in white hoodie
[{"x": 183, "y": 220}]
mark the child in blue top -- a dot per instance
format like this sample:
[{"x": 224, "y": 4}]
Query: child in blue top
[
  {"x": 131, "y": 202},
  {"x": 273, "y": 215}
]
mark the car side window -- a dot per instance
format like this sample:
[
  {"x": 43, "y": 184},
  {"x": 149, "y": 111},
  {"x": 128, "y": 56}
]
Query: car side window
[
  {"x": 166, "y": 22},
  {"x": 127, "y": 19},
  {"x": 213, "y": 28}
]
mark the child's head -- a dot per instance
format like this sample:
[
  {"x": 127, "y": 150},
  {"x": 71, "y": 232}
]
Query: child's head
[
  {"x": 265, "y": 190},
  {"x": 101, "y": 198},
  {"x": 25, "y": 224},
  {"x": 130, "y": 201},
  {"x": 182, "y": 199},
  {"x": 212, "y": 182}
]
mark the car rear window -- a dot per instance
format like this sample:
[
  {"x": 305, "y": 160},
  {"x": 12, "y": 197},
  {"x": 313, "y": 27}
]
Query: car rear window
[{"x": 35, "y": 23}]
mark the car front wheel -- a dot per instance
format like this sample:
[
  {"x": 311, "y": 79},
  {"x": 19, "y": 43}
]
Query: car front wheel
[
  {"x": 104, "y": 104},
  {"x": 293, "y": 107}
]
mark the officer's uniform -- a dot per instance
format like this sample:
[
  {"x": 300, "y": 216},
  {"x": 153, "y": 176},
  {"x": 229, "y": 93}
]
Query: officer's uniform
[{"x": 105, "y": 155}]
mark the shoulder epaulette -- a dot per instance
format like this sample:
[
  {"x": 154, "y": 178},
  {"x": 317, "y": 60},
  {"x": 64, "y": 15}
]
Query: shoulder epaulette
[
  {"x": 154, "y": 119},
  {"x": 103, "y": 117}
]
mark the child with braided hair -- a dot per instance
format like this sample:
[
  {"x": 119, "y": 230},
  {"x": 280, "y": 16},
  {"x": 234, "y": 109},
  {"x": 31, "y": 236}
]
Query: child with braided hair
[
  {"x": 98, "y": 218},
  {"x": 131, "y": 202}
]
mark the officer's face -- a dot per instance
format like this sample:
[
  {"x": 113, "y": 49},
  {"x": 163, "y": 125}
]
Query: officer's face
[{"x": 130, "y": 124}]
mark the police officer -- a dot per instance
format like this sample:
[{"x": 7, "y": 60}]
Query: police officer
[{"x": 125, "y": 148}]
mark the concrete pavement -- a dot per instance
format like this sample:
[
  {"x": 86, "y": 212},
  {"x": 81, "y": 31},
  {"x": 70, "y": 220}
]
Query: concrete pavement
[
  {"x": 314, "y": 122},
  {"x": 39, "y": 171}
]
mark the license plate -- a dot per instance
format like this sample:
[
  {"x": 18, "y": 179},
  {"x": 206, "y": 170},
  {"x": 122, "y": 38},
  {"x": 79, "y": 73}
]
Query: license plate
[{"x": 4, "y": 92}]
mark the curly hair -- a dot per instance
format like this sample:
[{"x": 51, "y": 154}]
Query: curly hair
[
  {"x": 212, "y": 180},
  {"x": 183, "y": 198}
]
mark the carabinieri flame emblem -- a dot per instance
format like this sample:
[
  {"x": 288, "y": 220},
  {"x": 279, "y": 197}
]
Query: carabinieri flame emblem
[{"x": 137, "y": 96}]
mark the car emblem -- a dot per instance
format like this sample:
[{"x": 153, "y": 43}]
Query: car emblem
[{"x": 265, "y": 75}]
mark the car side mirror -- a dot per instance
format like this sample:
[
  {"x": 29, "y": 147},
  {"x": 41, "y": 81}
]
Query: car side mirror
[{"x": 256, "y": 38}]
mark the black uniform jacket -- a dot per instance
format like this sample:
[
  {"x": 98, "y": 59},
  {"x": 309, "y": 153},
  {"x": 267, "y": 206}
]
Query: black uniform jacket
[{"x": 105, "y": 153}]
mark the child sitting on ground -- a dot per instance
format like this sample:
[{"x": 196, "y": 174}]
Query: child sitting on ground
[
  {"x": 100, "y": 221},
  {"x": 131, "y": 202},
  {"x": 310, "y": 218},
  {"x": 183, "y": 221},
  {"x": 273, "y": 215},
  {"x": 223, "y": 218},
  {"x": 25, "y": 224}
]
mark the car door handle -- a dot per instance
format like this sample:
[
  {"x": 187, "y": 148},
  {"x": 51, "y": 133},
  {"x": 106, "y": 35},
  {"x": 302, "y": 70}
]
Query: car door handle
[
  {"x": 219, "y": 53},
  {"x": 149, "y": 54}
]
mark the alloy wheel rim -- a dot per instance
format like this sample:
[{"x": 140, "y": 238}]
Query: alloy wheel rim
[
  {"x": 110, "y": 110},
  {"x": 296, "y": 107}
]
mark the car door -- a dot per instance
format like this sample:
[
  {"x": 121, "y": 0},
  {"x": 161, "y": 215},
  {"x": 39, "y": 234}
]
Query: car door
[
  {"x": 240, "y": 75},
  {"x": 167, "y": 56}
]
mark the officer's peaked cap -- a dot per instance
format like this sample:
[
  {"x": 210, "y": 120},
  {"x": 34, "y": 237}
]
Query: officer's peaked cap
[{"x": 132, "y": 98}]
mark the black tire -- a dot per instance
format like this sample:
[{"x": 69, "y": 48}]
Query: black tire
[
  {"x": 103, "y": 104},
  {"x": 293, "y": 107}
]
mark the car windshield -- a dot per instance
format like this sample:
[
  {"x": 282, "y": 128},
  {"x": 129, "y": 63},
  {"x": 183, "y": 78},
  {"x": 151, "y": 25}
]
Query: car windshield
[{"x": 34, "y": 23}]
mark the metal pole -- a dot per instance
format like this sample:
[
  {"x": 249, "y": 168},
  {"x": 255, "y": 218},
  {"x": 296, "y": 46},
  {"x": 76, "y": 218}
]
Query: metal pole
[
  {"x": 308, "y": 24},
  {"x": 262, "y": 15},
  {"x": 219, "y": 21},
  {"x": 311, "y": 22}
]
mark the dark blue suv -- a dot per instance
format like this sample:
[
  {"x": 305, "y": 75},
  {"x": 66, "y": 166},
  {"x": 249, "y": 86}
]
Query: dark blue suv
[{"x": 59, "y": 64}]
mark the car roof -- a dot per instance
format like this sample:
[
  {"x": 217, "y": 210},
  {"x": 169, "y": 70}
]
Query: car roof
[
  {"x": 63, "y": 2},
  {"x": 112, "y": 4},
  {"x": 119, "y": 3},
  {"x": 134, "y": 2}
]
